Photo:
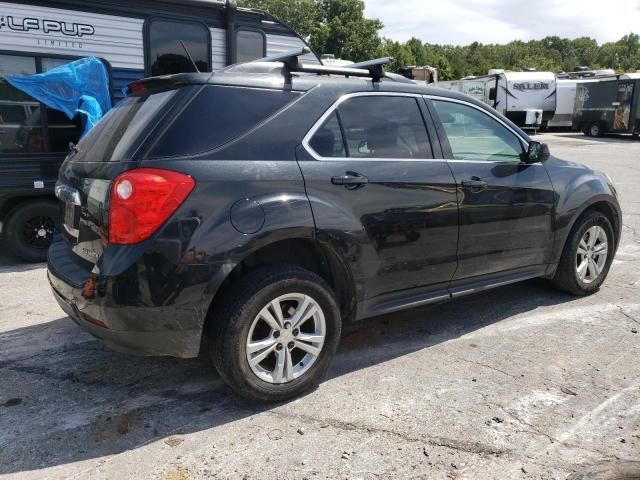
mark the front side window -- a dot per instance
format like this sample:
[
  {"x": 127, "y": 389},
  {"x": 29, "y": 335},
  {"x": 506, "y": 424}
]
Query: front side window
[
  {"x": 166, "y": 54},
  {"x": 20, "y": 115},
  {"x": 251, "y": 45},
  {"x": 474, "y": 135},
  {"x": 384, "y": 127}
]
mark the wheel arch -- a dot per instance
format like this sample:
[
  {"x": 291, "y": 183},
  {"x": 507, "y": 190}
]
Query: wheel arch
[
  {"x": 307, "y": 253},
  {"x": 603, "y": 204}
]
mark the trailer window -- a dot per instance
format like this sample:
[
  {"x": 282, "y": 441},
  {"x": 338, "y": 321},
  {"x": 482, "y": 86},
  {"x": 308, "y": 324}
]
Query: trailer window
[
  {"x": 62, "y": 130},
  {"x": 23, "y": 119},
  {"x": 251, "y": 45},
  {"x": 166, "y": 55},
  {"x": 20, "y": 116}
]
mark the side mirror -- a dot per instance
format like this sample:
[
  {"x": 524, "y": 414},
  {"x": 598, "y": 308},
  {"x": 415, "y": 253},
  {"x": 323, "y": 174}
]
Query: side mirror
[{"x": 538, "y": 152}]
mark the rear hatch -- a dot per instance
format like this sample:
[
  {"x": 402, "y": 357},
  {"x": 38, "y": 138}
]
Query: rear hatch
[{"x": 112, "y": 147}]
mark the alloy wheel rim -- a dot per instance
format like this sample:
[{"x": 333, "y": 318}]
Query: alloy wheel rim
[
  {"x": 286, "y": 338},
  {"x": 592, "y": 254},
  {"x": 38, "y": 232}
]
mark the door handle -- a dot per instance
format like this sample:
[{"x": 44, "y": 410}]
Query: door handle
[
  {"x": 350, "y": 180},
  {"x": 475, "y": 184}
]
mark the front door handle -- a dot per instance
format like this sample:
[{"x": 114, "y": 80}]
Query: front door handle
[
  {"x": 350, "y": 180},
  {"x": 475, "y": 184}
]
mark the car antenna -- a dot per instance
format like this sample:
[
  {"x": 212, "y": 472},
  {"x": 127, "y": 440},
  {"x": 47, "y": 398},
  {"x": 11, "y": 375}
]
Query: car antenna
[{"x": 189, "y": 55}]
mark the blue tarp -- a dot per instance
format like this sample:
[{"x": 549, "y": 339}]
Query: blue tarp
[{"x": 80, "y": 87}]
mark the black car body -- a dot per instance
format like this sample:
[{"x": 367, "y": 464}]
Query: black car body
[{"x": 276, "y": 186}]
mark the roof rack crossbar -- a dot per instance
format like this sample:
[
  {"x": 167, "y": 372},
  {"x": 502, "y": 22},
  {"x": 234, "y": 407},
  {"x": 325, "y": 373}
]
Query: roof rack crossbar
[
  {"x": 290, "y": 58},
  {"x": 375, "y": 67},
  {"x": 291, "y": 61},
  {"x": 325, "y": 70}
]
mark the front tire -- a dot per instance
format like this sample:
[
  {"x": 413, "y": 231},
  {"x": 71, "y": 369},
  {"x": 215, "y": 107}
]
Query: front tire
[
  {"x": 276, "y": 335},
  {"x": 587, "y": 255}
]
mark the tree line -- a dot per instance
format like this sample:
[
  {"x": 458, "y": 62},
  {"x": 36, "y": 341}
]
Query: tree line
[{"x": 340, "y": 27}]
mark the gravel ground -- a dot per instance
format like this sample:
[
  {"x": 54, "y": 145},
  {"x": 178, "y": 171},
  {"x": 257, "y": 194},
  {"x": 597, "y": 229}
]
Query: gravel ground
[{"x": 522, "y": 382}]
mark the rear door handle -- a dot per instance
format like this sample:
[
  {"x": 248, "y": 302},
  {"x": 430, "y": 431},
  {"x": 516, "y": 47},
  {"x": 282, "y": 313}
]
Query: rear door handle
[
  {"x": 475, "y": 184},
  {"x": 350, "y": 179}
]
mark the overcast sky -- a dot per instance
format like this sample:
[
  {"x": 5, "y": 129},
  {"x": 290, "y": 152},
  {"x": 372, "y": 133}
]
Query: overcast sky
[{"x": 499, "y": 21}]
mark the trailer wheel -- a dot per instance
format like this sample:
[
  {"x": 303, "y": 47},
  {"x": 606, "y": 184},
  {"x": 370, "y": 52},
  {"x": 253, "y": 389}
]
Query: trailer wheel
[
  {"x": 595, "y": 130},
  {"x": 29, "y": 229}
]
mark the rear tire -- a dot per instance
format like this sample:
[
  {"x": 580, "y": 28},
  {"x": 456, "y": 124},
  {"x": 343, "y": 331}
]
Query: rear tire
[
  {"x": 240, "y": 323},
  {"x": 30, "y": 228},
  {"x": 580, "y": 273}
]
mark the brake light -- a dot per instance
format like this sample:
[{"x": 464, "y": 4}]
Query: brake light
[
  {"x": 136, "y": 88},
  {"x": 143, "y": 200}
]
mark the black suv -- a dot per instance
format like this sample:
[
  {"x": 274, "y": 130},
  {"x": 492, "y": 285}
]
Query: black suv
[{"x": 250, "y": 212}]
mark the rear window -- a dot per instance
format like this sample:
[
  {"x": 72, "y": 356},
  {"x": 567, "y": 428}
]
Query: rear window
[
  {"x": 217, "y": 116},
  {"x": 115, "y": 137}
]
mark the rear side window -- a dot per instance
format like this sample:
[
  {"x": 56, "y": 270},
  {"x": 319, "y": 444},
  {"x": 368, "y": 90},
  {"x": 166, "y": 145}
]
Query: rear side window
[
  {"x": 217, "y": 116},
  {"x": 374, "y": 127}
]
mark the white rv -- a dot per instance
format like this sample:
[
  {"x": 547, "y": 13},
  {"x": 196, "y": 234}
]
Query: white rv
[
  {"x": 139, "y": 38},
  {"x": 526, "y": 98}
]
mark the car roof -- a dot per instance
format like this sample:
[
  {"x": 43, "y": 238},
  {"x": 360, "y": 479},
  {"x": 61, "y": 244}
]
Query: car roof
[{"x": 271, "y": 75}]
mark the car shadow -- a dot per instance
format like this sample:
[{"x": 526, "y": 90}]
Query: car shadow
[
  {"x": 66, "y": 398},
  {"x": 11, "y": 264}
]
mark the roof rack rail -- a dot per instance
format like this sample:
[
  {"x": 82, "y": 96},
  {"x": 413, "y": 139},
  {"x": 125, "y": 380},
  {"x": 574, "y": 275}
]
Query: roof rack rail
[{"x": 291, "y": 61}]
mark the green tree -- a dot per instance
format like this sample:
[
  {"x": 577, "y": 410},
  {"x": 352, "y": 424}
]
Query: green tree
[
  {"x": 344, "y": 31},
  {"x": 340, "y": 27},
  {"x": 301, "y": 15}
]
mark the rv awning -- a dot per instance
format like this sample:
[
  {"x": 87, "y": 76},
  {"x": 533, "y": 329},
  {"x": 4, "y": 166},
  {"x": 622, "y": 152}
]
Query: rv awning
[{"x": 80, "y": 87}]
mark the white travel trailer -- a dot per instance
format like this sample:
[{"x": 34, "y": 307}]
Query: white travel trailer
[
  {"x": 139, "y": 38},
  {"x": 565, "y": 102},
  {"x": 526, "y": 98}
]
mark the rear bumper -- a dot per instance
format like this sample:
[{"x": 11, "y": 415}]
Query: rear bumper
[{"x": 135, "y": 329}]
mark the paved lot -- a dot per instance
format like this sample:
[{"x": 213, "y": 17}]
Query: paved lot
[{"x": 522, "y": 382}]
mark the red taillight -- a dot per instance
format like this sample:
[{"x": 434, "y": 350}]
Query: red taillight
[
  {"x": 136, "y": 88},
  {"x": 142, "y": 200}
]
